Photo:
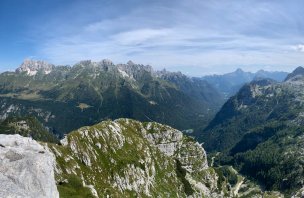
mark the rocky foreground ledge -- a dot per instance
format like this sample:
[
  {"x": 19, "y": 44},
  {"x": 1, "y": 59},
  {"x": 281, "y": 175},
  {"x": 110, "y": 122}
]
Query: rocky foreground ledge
[
  {"x": 113, "y": 158},
  {"x": 120, "y": 158},
  {"x": 26, "y": 168}
]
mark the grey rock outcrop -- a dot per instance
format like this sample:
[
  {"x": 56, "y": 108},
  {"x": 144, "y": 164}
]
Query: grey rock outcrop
[
  {"x": 32, "y": 67},
  {"x": 126, "y": 157},
  {"x": 26, "y": 168}
]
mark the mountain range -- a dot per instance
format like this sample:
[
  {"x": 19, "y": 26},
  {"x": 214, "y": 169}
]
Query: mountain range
[
  {"x": 106, "y": 130},
  {"x": 228, "y": 84},
  {"x": 65, "y": 98}
]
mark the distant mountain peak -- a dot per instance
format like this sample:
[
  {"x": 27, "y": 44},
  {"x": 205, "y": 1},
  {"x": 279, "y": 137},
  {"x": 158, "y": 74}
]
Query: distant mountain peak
[
  {"x": 169, "y": 75},
  {"x": 31, "y": 67},
  {"x": 132, "y": 68},
  {"x": 130, "y": 62},
  {"x": 228, "y": 84},
  {"x": 239, "y": 70},
  {"x": 299, "y": 71},
  {"x": 107, "y": 62}
]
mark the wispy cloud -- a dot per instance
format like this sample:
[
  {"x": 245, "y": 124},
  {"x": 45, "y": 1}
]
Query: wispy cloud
[
  {"x": 140, "y": 36},
  {"x": 299, "y": 47},
  {"x": 210, "y": 36}
]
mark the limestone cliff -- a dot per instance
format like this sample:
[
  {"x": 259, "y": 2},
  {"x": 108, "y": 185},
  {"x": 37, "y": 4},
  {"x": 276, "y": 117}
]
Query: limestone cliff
[{"x": 26, "y": 168}]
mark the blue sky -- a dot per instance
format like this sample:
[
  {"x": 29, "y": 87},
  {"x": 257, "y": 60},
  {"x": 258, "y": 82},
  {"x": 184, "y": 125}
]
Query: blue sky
[{"x": 194, "y": 36}]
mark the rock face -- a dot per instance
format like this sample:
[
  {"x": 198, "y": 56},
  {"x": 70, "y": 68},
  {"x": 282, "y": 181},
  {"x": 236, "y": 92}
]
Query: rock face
[
  {"x": 26, "y": 168},
  {"x": 174, "y": 144},
  {"x": 129, "y": 158},
  {"x": 32, "y": 67}
]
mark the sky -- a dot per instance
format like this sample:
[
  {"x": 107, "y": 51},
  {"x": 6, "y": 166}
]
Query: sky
[{"x": 197, "y": 37}]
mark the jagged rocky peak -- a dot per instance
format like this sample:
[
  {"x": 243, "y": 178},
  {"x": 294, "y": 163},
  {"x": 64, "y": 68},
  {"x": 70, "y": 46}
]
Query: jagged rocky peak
[
  {"x": 94, "y": 66},
  {"x": 130, "y": 63},
  {"x": 170, "y": 75},
  {"x": 27, "y": 168},
  {"x": 164, "y": 72},
  {"x": 298, "y": 72},
  {"x": 84, "y": 63},
  {"x": 133, "y": 70},
  {"x": 107, "y": 62},
  {"x": 32, "y": 67},
  {"x": 239, "y": 70},
  {"x": 133, "y": 66}
]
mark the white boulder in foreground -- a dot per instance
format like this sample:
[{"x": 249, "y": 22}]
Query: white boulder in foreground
[{"x": 26, "y": 168}]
